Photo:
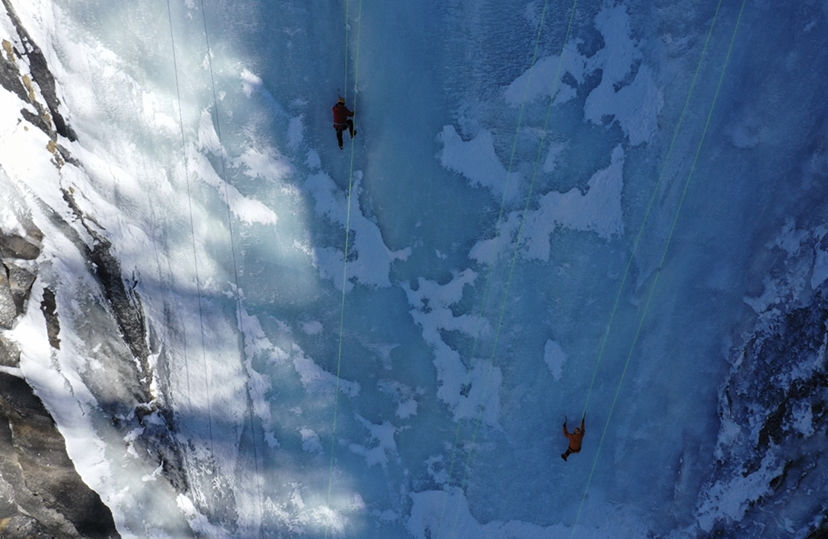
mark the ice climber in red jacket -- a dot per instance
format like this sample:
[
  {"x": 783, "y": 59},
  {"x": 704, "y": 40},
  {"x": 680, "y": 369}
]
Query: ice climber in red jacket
[{"x": 342, "y": 120}]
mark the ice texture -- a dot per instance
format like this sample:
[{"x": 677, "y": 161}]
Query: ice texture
[{"x": 384, "y": 340}]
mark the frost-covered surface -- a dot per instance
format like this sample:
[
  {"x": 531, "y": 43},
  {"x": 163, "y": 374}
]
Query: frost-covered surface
[
  {"x": 520, "y": 236},
  {"x": 771, "y": 450}
]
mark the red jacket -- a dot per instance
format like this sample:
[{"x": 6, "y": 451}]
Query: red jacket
[{"x": 341, "y": 114}]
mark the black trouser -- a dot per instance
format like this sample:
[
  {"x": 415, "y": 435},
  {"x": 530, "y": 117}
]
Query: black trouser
[
  {"x": 569, "y": 451},
  {"x": 349, "y": 125}
]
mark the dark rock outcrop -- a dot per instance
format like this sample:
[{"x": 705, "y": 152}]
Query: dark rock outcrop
[
  {"x": 9, "y": 353},
  {"x": 9, "y": 73},
  {"x": 41, "y": 74},
  {"x": 16, "y": 276},
  {"x": 48, "y": 307},
  {"x": 772, "y": 452},
  {"x": 124, "y": 392},
  {"x": 125, "y": 303},
  {"x": 41, "y": 494},
  {"x": 17, "y": 273}
]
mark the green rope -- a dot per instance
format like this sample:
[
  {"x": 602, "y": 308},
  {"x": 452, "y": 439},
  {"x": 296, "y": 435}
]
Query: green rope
[
  {"x": 344, "y": 263},
  {"x": 489, "y": 278},
  {"x": 517, "y": 241},
  {"x": 650, "y": 204},
  {"x": 347, "y": 47},
  {"x": 192, "y": 237},
  {"x": 654, "y": 284},
  {"x": 238, "y": 291}
]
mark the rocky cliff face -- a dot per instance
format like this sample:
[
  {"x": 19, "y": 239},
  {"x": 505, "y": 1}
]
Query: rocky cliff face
[
  {"x": 772, "y": 448},
  {"x": 41, "y": 494}
]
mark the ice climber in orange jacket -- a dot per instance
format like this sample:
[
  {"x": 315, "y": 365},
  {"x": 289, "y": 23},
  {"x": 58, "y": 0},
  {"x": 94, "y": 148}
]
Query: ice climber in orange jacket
[{"x": 575, "y": 439}]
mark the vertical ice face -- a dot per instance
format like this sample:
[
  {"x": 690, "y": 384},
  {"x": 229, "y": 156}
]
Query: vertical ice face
[{"x": 261, "y": 334}]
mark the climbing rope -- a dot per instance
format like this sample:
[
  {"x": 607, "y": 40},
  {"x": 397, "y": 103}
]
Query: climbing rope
[
  {"x": 660, "y": 266},
  {"x": 237, "y": 291},
  {"x": 484, "y": 305},
  {"x": 158, "y": 235},
  {"x": 345, "y": 252},
  {"x": 506, "y": 293},
  {"x": 348, "y": 47},
  {"x": 648, "y": 211},
  {"x": 193, "y": 242}
]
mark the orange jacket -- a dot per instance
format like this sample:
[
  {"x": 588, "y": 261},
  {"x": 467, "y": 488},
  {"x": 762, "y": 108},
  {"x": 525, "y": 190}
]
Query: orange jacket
[{"x": 575, "y": 438}]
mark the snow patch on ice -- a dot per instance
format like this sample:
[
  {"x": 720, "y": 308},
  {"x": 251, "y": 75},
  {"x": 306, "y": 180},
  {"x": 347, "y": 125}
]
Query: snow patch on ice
[
  {"x": 156, "y": 473},
  {"x": 373, "y": 261},
  {"x": 555, "y": 358},
  {"x": 805, "y": 261},
  {"x": 197, "y": 521},
  {"x": 381, "y": 443},
  {"x": 310, "y": 441},
  {"x": 296, "y": 130},
  {"x": 551, "y": 161},
  {"x": 264, "y": 163},
  {"x": 314, "y": 518},
  {"x": 245, "y": 209},
  {"x": 471, "y": 387},
  {"x": 312, "y": 160},
  {"x": 256, "y": 346},
  {"x": 250, "y": 82},
  {"x": 819, "y": 270},
  {"x": 598, "y": 210},
  {"x": 803, "y": 419},
  {"x": 404, "y": 396},
  {"x": 634, "y": 105},
  {"x": 314, "y": 327},
  {"x": 316, "y": 380},
  {"x": 476, "y": 160},
  {"x": 208, "y": 138},
  {"x": 543, "y": 78}
]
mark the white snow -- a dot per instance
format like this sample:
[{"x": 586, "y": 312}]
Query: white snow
[
  {"x": 636, "y": 105},
  {"x": 469, "y": 391},
  {"x": 544, "y": 78},
  {"x": 731, "y": 499},
  {"x": 320, "y": 391},
  {"x": 264, "y": 164},
  {"x": 374, "y": 258},
  {"x": 555, "y": 358},
  {"x": 476, "y": 160},
  {"x": 310, "y": 441},
  {"x": 598, "y": 210}
]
